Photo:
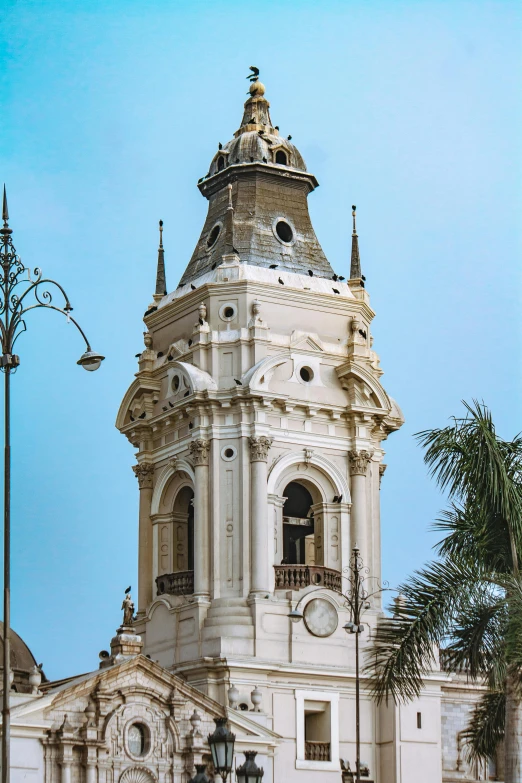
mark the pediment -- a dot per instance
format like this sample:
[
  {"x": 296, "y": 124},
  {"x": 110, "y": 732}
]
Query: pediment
[{"x": 306, "y": 341}]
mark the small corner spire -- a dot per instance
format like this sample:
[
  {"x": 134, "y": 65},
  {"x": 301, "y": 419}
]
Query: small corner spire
[
  {"x": 355, "y": 264},
  {"x": 161, "y": 281}
]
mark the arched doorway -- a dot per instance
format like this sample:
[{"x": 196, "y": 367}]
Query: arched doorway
[{"x": 298, "y": 525}]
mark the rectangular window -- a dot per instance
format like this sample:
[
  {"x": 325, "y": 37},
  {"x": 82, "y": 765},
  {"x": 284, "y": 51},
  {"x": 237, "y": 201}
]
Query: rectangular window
[
  {"x": 317, "y": 731},
  {"x": 317, "y": 722}
]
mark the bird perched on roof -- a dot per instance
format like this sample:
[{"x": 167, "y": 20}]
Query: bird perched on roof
[
  {"x": 238, "y": 382},
  {"x": 289, "y": 138},
  {"x": 220, "y": 146},
  {"x": 128, "y": 589},
  {"x": 253, "y": 121},
  {"x": 341, "y": 277},
  {"x": 310, "y": 273},
  {"x": 171, "y": 404},
  {"x": 265, "y": 160},
  {"x": 132, "y": 417},
  {"x": 138, "y": 355},
  {"x": 142, "y": 415},
  {"x": 335, "y": 290},
  {"x": 363, "y": 277},
  {"x": 281, "y": 281},
  {"x": 165, "y": 408},
  {"x": 276, "y": 127},
  {"x": 193, "y": 286},
  {"x": 273, "y": 266},
  {"x": 335, "y": 277},
  {"x": 213, "y": 265}
]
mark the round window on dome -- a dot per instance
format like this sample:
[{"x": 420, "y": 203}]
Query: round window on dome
[
  {"x": 212, "y": 239},
  {"x": 284, "y": 231}
]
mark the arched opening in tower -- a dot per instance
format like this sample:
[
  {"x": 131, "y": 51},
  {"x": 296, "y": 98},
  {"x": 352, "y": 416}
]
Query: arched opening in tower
[
  {"x": 298, "y": 525},
  {"x": 183, "y": 516},
  {"x": 281, "y": 158}
]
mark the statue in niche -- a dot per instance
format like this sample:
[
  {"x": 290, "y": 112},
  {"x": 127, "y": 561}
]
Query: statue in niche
[{"x": 128, "y": 608}]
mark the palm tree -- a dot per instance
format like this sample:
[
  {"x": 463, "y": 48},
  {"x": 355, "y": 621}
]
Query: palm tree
[{"x": 469, "y": 601}]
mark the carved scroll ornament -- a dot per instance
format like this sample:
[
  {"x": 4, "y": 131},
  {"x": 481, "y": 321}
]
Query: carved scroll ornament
[
  {"x": 144, "y": 472},
  {"x": 259, "y": 448},
  {"x": 359, "y": 462},
  {"x": 199, "y": 451}
]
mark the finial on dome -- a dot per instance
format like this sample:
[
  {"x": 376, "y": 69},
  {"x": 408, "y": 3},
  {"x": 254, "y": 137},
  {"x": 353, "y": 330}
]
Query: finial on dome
[
  {"x": 161, "y": 233},
  {"x": 354, "y": 210},
  {"x": 229, "y": 225},
  {"x": 257, "y": 88}
]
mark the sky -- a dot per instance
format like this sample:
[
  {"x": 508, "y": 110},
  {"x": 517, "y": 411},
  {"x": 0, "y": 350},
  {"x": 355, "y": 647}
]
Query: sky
[{"x": 110, "y": 113}]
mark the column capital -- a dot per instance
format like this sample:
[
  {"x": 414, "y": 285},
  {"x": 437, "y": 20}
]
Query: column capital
[
  {"x": 144, "y": 472},
  {"x": 359, "y": 461},
  {"x": 259, "y": 448},
  {"x": 382, "y": 468},
  {"x": 199, "y": 451}
]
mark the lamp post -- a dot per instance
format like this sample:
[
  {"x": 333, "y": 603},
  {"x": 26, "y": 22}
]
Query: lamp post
[
  {"x": 19, "y": 294},
  {"x": 249, "y": 772},
  {"x": 357, "y": 600},
  {"x": 221, "y": 743}
]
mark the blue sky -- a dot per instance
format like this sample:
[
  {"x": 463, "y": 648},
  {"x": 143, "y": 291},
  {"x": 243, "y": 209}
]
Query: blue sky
[{"x": 110, "y": 112}]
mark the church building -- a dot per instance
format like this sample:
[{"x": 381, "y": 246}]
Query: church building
[{"x": 258, "y": 418}]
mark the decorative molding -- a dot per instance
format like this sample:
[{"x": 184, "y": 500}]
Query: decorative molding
[
  {"x": 144, "y": 472},
  {"x": 382, "y": 470},
  {"x": 199, "y": 451},
  {"x": 259, "y": 448},
  {"x": 308, "y": 454},
  {"x": 359, "y": 462}
]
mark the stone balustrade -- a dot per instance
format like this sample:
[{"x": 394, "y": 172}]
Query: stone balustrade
[
  {"x": 317, "y": 751},
  {"x": 295, "y": 577},
  {"x": 180, "y": 583}
]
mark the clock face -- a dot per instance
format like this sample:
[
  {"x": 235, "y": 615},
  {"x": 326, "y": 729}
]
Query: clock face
[{"x": 320, "y": 617}]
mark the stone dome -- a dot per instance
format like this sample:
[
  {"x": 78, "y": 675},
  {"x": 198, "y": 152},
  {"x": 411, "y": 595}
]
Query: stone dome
[
  {"x": 22, "y": 661},
  {"x": 257, "y": 140}
]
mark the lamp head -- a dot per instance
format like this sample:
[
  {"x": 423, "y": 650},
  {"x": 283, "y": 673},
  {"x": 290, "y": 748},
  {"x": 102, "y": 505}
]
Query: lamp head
[
  {"x": 90, "y": 360},
  {"x": 295, "y": 615}
]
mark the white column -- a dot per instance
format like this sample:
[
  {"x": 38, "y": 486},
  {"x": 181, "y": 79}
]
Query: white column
[
  {"x": 358, "y": 469},
  {"x": 199, "y": 453},
  {"x": 259, "y": 578},
  {"x": 144, "y": 472}
]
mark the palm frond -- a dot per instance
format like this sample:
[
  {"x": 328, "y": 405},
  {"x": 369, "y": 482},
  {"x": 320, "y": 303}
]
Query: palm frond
[
  {"x": 486, "y": 726},
  {"x": 403, "y": 650},
  {"x": 477, "y": 646},
  {"x": 475, "y": 466},
  {"x": 472, "y": 534}
]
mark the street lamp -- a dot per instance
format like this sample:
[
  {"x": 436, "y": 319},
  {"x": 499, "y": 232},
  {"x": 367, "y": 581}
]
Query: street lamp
[
  {"x": 249, "y": 772},
  {"x": 16, "y": 286},
  {"x": 200, "y": 776},
  {"x": 221, "y": 743},
  {"x": 357, "y": 600}
]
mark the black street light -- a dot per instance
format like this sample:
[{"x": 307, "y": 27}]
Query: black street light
[
  {"x": 221, "y": 743},
  {"x": 358, "y": 599},
  {"x": 16, "y": 286},
  {"x": 201, "y": 774},
  {"x": 249, "y": 772}
]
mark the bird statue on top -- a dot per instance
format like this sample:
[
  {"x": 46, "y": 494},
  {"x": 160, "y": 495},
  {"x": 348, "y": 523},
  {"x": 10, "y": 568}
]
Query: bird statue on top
[{"x": 254, "y": 76}]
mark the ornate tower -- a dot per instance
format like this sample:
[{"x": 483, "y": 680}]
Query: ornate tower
[{"x": 258, "y": 416}]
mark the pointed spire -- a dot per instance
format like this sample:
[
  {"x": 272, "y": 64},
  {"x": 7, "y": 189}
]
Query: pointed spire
[
  {"x": 161, "y": 281},
  {"x": 355, "y": 265},
  {"x": 229, "y": 226},
  {"x": 5, "y": 211}
]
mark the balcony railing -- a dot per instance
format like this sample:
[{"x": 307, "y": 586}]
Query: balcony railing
[
  {"x": 295, "y": 577},
  {"x": 180, "y": 583},
  {"x": 317, "y": 751}
]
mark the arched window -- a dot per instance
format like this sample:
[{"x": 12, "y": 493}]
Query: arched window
[
  {"x": 221, "y": 163},
  {"x": 183, "y": 514},
  {"x": 298, "y": 525},
  {"x": 281, "y": 158}
]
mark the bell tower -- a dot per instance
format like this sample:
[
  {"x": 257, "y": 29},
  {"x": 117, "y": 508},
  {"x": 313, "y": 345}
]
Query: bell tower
[{"x": 258, "y": 416}]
